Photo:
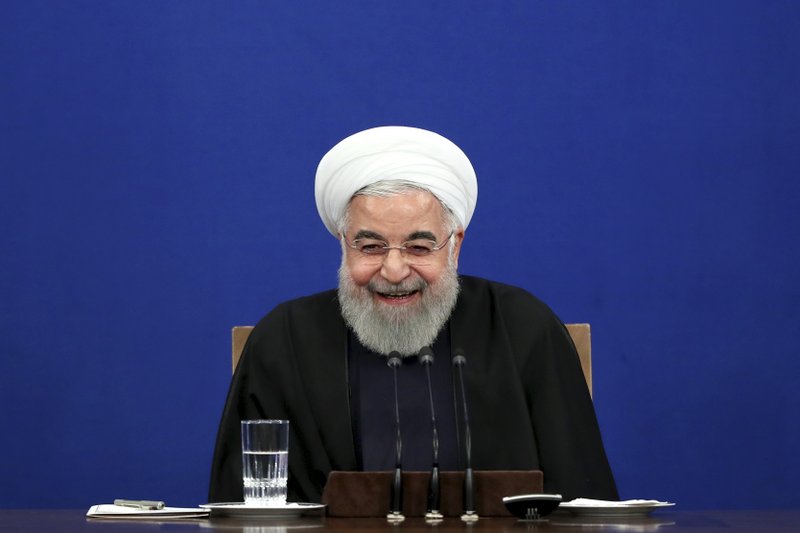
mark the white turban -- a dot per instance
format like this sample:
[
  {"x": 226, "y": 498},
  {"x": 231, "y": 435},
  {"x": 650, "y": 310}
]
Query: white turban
[{"x": 395, "y": 153}]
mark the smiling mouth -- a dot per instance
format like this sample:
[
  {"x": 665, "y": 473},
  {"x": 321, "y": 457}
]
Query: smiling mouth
[{"x": 397, "y": 295}]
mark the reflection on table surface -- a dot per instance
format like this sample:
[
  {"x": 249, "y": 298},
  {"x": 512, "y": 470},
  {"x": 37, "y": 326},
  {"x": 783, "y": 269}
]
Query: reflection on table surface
[
  {"x": 74, "y": 520},
  {"x": 561, "y": 523}
]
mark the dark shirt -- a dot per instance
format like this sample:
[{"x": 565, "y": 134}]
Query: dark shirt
[{"x": 373, "y": 412}]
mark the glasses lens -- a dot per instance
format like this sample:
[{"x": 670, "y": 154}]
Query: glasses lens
[
  {"x": 419, "y": 248},
  {"x": 370, "y": 246}
]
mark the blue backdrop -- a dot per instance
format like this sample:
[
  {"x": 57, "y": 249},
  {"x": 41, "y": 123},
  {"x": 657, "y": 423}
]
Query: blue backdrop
[{"x": 638, "y": 169}]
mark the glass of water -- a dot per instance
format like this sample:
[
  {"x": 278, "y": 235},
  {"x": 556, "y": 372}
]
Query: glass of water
[{"x": 265, "y": 461}]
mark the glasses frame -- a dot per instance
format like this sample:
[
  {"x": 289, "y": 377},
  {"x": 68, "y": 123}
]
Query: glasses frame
[{"x": 403, "y": 249}]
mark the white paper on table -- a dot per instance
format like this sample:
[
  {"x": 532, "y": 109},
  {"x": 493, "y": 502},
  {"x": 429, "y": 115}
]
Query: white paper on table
[
  {"x": 589, "y": 502},
  {"x": 121, "y": 512}
]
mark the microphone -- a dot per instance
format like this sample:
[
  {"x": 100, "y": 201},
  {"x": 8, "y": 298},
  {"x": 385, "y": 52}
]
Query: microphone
[
  {"x": 396, "y": 503},
  {"x": 459, "y": 360},
  {"x": 433, "y": 513}
]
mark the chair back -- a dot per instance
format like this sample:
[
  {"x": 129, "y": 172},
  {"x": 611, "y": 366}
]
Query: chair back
[
  {"x": 239, "y": 335},
  {"x": 582, "y": 338}
]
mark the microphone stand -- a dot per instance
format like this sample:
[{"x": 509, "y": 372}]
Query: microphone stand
[
  {"x": 470, "y": 515},
  {"x": 396, "y": 504},
  {"x": 433, "y": 513}
]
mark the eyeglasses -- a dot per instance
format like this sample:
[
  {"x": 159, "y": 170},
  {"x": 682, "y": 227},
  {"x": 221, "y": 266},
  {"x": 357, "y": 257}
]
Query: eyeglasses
[{"x": 416, "y": 251}]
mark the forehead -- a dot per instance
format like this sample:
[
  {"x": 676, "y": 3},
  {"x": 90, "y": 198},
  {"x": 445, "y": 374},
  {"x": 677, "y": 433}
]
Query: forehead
[{"x": 397, "y": 215}]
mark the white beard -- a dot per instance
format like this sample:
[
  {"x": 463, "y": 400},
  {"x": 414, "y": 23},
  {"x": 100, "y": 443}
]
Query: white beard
[{"x": 406, "y": 329}]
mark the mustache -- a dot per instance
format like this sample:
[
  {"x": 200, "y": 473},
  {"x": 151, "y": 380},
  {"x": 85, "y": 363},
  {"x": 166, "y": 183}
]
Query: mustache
[{"x": 403, "y": 287}]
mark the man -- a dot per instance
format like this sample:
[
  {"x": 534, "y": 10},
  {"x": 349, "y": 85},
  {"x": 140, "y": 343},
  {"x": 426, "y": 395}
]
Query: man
[{"x": 399, "y": 200}]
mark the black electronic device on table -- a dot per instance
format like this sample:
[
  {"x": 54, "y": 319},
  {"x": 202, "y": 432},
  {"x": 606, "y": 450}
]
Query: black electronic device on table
[{"x": 532, "y": 506}]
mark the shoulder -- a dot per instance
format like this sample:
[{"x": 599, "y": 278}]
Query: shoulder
[
  {"x": 297, "y": 313},
  {"x": 508, "y": 299},
  {"x": 314, "y": 304},
  {"x": 535, "y": 335},
  {"x": 513, "y": 312}
]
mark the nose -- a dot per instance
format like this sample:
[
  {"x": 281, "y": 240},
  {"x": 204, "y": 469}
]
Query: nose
[{"x": 394, "y": 268}]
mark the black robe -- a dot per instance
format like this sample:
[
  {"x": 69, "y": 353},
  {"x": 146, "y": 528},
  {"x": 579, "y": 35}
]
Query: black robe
[{"x": 529, "y": 404}]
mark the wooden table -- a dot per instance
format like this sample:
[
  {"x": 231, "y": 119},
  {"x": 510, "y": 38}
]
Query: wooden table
[{"x": 667, "y": 521}]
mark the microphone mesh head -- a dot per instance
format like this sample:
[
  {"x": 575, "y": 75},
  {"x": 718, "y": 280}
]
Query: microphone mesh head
[
  {"x": 426, "y": 356},
  {"x": 394, "y": 360}
]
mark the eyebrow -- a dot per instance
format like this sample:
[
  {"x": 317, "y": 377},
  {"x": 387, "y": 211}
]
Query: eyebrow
[
  {"x": 367, "y": 234},
  {"x": 427, "y": 235}
]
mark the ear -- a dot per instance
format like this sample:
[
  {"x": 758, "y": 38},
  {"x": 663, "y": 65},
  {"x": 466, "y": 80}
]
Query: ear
[{"x": 458, "y": 237}]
